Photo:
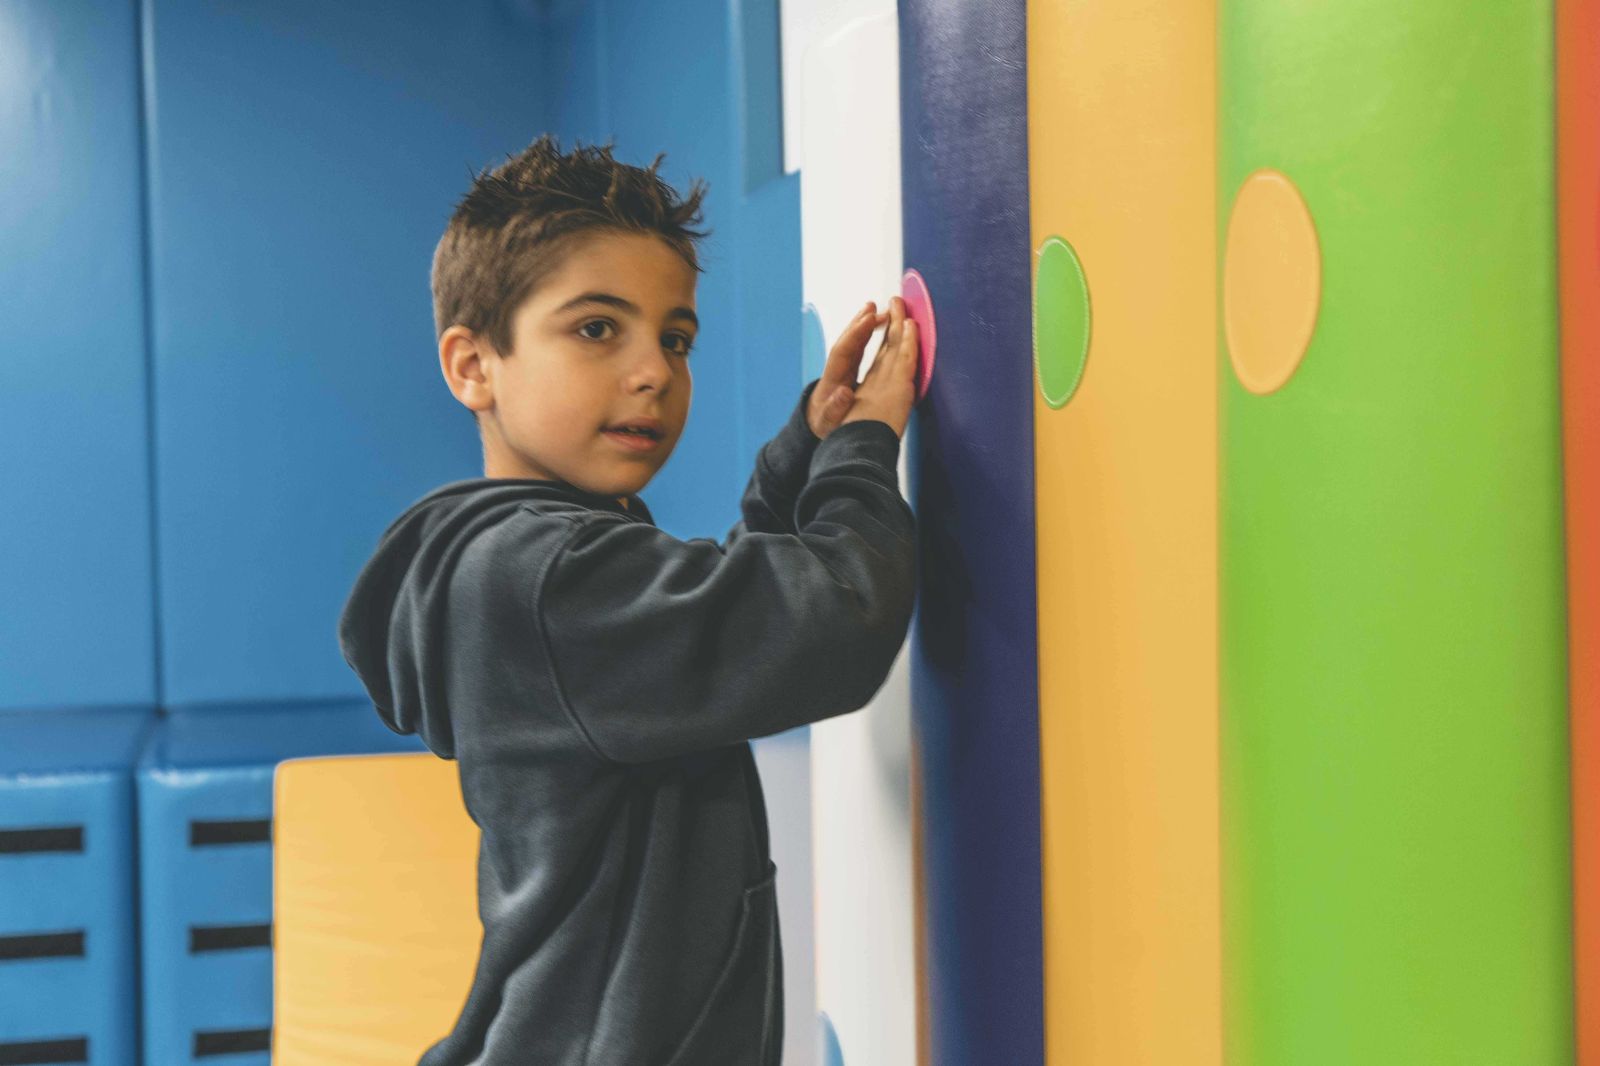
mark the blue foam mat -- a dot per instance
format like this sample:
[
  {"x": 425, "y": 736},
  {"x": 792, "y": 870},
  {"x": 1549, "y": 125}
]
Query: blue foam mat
[{"x": 68, "y": 948}]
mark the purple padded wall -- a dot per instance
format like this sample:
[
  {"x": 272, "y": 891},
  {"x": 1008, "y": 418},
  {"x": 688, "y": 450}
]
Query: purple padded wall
[{"x": 964, "y": 167}]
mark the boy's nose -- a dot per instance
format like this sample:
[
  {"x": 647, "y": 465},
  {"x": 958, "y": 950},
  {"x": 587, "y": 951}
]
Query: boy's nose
[{"x": 652, "y": 367}]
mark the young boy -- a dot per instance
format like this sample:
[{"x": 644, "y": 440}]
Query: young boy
[{"x": 596, "y": 679}]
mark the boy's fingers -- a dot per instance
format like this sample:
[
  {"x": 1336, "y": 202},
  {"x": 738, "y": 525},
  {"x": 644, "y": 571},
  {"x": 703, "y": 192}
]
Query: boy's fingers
[
  {"x": 860, "y": 328},
  {"x": 844, "y": 360},
  {"x": 886, "y": 347},
  {"x": 846, "y": 351}
]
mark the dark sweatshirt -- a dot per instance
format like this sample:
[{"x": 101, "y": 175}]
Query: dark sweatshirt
[{"x": 598, "y": 681}]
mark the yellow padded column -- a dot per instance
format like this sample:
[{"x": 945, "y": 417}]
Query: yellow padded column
[
  {"x": 1121, "y": 133},
  {"x": 375, "y": 916}
]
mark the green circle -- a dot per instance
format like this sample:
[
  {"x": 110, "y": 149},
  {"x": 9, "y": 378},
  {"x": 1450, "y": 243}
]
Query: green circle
[{"x": 1060, "y": 321}]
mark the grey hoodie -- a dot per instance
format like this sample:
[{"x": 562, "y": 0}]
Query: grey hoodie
[{"x": 598, "y": 681}]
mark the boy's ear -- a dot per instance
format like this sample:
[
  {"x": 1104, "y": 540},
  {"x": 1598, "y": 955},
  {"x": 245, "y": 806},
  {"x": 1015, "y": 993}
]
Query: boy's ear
[{"x": 463, "y": 358}]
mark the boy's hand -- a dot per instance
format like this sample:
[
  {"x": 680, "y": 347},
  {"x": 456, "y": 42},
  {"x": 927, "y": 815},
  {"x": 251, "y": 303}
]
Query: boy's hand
[
  {"x": 835, "y": 392},
  {"x": 890, "y": 387}
]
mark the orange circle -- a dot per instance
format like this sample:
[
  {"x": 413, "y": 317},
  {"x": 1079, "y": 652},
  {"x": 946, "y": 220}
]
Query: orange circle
[{"x": 1271, "y": 281}]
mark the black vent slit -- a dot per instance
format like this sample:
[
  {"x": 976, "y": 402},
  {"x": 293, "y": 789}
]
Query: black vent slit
[
  {"x": 203, "y": 938},
  {"x": 65, "y": 945},
  {"x": 231, "y": 1042},
  {"x": 42, "y": 839},
  {"x": 40, "y": 1052},
  {"x": 203, "y": 834}
]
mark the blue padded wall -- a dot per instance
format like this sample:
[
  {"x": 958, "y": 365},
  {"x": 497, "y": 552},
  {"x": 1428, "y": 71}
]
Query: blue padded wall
[
  {"x": 975, "y": 688},
  {"x": 687, "y": 79},
  {"x": 205, "y": 810},
  {"x": 68, "y": 954},
  {"x": 75, "y": 554},
  {"x": 304, "y": 158}
]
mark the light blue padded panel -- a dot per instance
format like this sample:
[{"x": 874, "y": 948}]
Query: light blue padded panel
[
  {"x": 304, "y": 159},
  {"x": 205, "y": 805},
  {"x": 68, "y": 965},
  {"x": 75, "y": 539}
]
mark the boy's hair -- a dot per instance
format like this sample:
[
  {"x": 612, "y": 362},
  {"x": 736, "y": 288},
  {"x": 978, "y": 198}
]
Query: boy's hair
[{"x": 516, "y": 222}]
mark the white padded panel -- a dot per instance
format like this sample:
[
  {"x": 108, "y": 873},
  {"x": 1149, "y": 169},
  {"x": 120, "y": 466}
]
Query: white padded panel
[
  {"x": 801, "y": 22},
  {"x": 860, "y": 762}
]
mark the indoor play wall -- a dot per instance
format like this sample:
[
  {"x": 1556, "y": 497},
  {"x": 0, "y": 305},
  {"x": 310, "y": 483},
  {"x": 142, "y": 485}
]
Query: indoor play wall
[
  {"x": 1248, "y": 712},
  {"x": 1306, "y": 528}
]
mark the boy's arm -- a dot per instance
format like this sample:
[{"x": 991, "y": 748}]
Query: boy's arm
[
  {"x": 781, "y": 466},
  {"x": 661, "y": 647}
]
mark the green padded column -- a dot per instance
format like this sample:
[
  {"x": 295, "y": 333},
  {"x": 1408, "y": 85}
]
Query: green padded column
[{"x": 1394, "y": 724}]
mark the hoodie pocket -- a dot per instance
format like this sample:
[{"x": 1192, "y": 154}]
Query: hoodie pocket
[{"x": 738, "y": 1023}]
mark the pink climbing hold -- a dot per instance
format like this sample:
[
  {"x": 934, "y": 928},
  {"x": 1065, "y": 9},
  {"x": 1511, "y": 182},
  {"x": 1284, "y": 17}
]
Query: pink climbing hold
[{"x": 919, "y": 305}]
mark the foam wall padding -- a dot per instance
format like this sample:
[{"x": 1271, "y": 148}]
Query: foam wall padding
[
  {"x": 1122, "y": 168},
  {"x": 1394, "y": 757},
  {"x": 375, "y": 894},
  {"x": 964, "y": 165},
  {"x": 861, "y": 802},
  {"x": 255, "y": 554},
  {"x": 1578, "y": 184},
  {"x": 68, "y": 950},
  {"x": 205, "y": 868},
  {"x": 77, "y": 564}
]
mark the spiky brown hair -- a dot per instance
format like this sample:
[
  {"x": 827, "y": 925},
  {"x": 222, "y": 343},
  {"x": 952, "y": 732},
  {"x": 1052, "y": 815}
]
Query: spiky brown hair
[{"x": 516, "y": 222}]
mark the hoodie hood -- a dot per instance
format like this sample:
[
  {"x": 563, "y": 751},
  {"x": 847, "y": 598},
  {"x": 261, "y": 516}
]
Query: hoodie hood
[{"x": 390, "y": 619}]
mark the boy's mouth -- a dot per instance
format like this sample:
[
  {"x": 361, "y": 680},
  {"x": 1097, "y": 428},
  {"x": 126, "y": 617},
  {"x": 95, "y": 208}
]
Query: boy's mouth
[{"x": 635, "y": 438}]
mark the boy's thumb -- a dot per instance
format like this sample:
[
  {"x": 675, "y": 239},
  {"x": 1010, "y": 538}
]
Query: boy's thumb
[{"x": 840, "y": 398}]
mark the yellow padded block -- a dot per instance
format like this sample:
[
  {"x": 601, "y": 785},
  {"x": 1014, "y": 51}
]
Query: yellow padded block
[{"x": 376, "y": 929}]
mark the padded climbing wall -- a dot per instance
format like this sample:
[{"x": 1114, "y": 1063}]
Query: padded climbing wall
[
  {"x": 1396, "y": 850},
  {"x": 1121, "y": 154},
  {"x": 860, "y": 763},
  {"x": 974, "y": 648}
]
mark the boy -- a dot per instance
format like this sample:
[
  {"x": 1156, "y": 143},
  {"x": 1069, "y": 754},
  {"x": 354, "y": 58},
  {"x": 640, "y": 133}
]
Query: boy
[{"x": 596, "y": 679}]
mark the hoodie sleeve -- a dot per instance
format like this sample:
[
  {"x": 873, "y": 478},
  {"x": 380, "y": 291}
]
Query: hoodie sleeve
[
  {"x": 661, "y": 647},
  {"x": 780, "y": 473}
]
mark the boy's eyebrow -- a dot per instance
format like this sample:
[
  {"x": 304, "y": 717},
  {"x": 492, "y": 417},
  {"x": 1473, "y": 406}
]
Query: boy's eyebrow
[{"x": 624, "y": 305}]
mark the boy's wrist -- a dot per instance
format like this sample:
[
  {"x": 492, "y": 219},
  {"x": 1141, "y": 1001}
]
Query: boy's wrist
[
  {"x": 787, "y": 454},
  {"x": 802, "y": 412},
  {"x": 871, "y": 439}
]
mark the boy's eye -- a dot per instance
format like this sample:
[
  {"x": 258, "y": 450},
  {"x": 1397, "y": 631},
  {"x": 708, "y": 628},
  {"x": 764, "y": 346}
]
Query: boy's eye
[
  {"x": 595, "y": 322},
  {"x": 688, "y": 343}
]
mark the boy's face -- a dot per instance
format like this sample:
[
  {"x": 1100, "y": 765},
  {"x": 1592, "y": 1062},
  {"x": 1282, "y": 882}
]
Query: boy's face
[{"x": 603, "y": 340}]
